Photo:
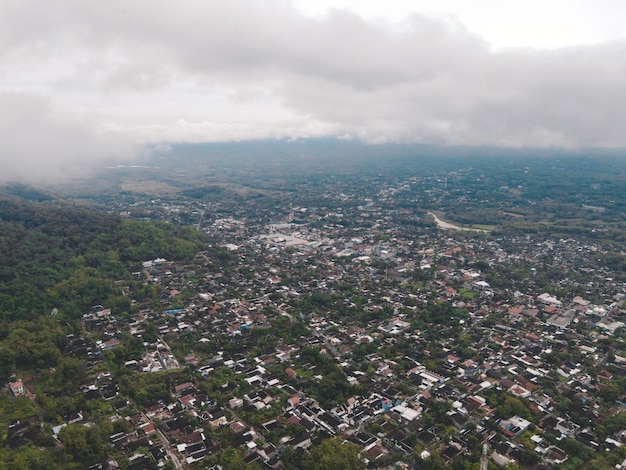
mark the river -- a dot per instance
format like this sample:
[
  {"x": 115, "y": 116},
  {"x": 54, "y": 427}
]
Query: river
[{"x": 448, "y": 225}]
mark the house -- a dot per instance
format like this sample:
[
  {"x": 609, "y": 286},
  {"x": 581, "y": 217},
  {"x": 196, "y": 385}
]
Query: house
[
  {"x": 519, "y": 391},
  {"x": 183, "y": 389},
  {"x": 188, "y": 401},
  {"x": 555, "y": 455},
  {"x": 218, "y": 419},
  {"x": 301, "y": 442},
  {"x": 110, "y": 344},
  {"x": 237, "y": 427},
  {"x": 501, "y": 460},
  {"x": 405, "y": 413},
  {"x": 17, "y": 388},
  {"x": 514, "y": 426},
  {"x": 546, "y": 298},
  {"x": 293, "y": 402},
  {"x": 235, "y": 402},
  {"x": 604, "y": 376}
]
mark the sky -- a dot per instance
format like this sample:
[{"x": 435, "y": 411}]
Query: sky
[{"x": 84, "y": 82}]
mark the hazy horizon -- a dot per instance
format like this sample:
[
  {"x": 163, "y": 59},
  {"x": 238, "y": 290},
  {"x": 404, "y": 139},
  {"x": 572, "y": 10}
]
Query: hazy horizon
[{"x": 85, "y": 83}]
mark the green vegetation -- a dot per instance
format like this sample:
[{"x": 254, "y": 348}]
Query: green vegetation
[
  {"x": 333, "y": 454},
  {"x": 331, "y": 330},
  {"x": 71, "y": 258}
]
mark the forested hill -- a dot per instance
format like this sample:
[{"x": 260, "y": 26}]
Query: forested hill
[{"x": 69, "y": 258}]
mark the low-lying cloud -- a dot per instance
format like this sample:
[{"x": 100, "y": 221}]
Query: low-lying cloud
[
  {"x": 42, "y": 144},
  {"x": 230, "y": 70}
]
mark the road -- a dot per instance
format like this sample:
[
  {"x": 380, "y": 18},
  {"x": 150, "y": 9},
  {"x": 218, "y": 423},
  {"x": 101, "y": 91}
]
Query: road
[
  {"x": 199, "y": 226},
  {"x": 166, "y": 444}
]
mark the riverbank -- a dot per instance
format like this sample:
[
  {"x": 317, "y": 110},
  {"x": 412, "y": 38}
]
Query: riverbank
[{"x": 449, "y": 226}]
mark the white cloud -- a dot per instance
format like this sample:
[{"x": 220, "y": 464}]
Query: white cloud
[
  {"x": 40, "y": 143},
  {"x": 230, "y": 70},
  {"x": 503, "y": 23}
]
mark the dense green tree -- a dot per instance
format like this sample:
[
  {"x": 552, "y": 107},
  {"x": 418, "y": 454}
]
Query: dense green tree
[
  {"x": 232, "y": 459},
  {"x": 512, "y": 406},
  {"x": 292, "y": 458},
  {"x": 334, "y": 454},
  {"x": 70, "y": 258}
]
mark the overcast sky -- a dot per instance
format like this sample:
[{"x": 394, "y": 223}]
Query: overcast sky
[{"x": 82, "y": 81}]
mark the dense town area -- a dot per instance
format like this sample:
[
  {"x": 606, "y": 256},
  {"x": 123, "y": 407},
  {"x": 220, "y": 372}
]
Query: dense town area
[{"x": 350, "y": 323}]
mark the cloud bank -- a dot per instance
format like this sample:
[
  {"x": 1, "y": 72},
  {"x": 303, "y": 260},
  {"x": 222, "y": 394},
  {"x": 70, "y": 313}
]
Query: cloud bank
[
  {"x": 83, "y": 81},
  {"x": 39, "y": 143}
]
